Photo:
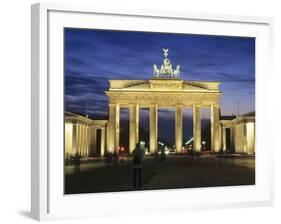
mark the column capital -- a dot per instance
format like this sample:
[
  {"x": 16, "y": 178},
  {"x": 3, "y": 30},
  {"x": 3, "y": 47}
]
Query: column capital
[
  {"x": 197, "y": 105},
  {"x": 153, "y": 105},
  {"x": 215, "y": 105},
  {"x": 133, "y": 104},
  {"x": 179, "y": 106},
  {"x": 113, "y": 104}
]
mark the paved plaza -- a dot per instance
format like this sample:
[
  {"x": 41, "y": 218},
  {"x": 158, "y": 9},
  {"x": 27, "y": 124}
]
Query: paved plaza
[{"x": 174, "y": 172}]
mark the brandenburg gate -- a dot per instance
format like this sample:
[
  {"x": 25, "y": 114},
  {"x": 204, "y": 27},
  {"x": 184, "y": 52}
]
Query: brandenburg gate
[{"x": 165, "y": 90}]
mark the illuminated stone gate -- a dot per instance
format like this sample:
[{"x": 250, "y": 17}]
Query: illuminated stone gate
[{"x": 165, "y": 90}]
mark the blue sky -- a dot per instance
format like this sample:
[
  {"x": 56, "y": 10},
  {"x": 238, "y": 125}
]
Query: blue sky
[{"x": 92, "y": 57}]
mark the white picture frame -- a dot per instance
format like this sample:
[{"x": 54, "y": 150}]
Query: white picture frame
[{"x": 48, "y": 201}]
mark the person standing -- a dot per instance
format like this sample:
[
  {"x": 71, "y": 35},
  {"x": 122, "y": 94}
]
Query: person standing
[{"x": 137, "y": 166}]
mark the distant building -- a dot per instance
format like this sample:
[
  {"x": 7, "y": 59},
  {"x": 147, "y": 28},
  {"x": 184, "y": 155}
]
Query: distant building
[
  {"x": 238, "y": 133},
  {"x": 84, "y": 136}
]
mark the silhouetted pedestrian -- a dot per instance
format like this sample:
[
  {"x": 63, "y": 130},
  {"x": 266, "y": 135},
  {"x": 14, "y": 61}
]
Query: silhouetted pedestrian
[
  {"x": 109, "y": 159},
  {"x": 115, "y": 158},
  {"x": 162, "y": 154},
  {"x": 137, "y": 166}
]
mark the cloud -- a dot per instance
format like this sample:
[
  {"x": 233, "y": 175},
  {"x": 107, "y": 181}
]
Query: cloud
[{"x": 92, "y": 57}]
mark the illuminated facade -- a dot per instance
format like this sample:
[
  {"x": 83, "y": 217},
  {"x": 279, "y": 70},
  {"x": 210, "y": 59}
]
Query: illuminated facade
[
  {"x": 238, "y": 134},
  {"x": 162, "y": 93},
  {"x": 81, "y": 136},
  {"x": 165, "y": 90}
]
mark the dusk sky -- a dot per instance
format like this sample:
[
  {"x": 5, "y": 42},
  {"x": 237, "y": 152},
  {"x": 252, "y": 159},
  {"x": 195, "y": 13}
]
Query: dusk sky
[{"x": 92, "y": 57}]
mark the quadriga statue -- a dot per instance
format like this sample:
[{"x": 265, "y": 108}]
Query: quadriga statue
[
  {"x": 177, "y": 71},
  {"x": 155, "y": 71},
  {"x": 166, "y": 68}
]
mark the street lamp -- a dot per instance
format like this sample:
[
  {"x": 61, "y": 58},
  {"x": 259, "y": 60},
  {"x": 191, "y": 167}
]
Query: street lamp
[{"x": 204, "y": 143}]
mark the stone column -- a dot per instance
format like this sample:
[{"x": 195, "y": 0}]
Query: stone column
[
  {"x": 215, "y": 145},
  {"x": 234, "y": 138},
  {"x": 113, "y": 128},
  {"x": 134, "y": 127},
  {"x": 105, "y": 139},
  {"x": 234, "y": 132},
  {"x": 244, "y": 131},
  {"x": 88, "y": 140},
  {"x": 224, "y": 139},
  {"x": 94, "y": 142},
  {"x": 239, "y": 138},
  {"x": 79, "y": 138},
  {"x": 196, "y": 128},
  {"x": 117, "y": 127},
  {"x": 220, "y": 136},
  {"x": 74, "y": 139},
  {"x": 178, "y": 128},
  {"x": 231, "y": 139},
  {"x": 83, "y": 140},
  {"x": 153, "y": 126},
  {"x": 254, "y": 143},
  {"x": 102, "y": 143}
]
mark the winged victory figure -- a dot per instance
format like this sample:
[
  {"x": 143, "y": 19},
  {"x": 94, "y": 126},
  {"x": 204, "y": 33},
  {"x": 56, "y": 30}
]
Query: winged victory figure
[{"x": 165, "y": 52}]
